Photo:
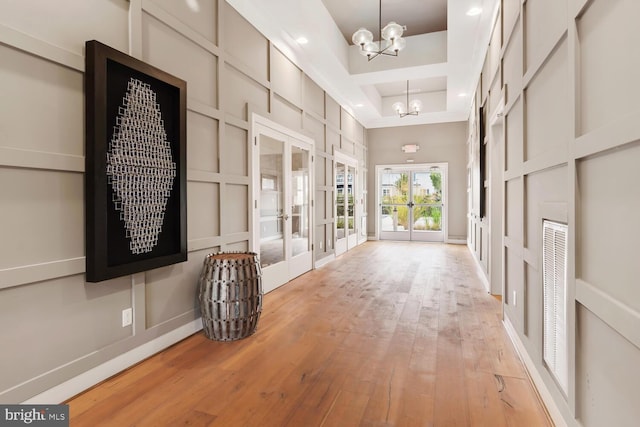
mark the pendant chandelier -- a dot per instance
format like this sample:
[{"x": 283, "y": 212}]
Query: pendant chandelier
[
  {"x": 390, "y": 40},
  {"x": 401, "y": 108}
]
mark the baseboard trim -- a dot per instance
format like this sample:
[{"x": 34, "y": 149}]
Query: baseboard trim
[
  {"x": 541, "y": 387},
  {"x": 457, "y": 241},
  {"x": 481, "y": 274},
  {"x": 324, "y": 261},
  {"x": 88, "y": 379}
]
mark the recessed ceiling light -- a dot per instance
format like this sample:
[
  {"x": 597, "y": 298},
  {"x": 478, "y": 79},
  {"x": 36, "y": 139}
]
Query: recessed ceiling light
[
  {"x": 302, "y": 40},
  {"x": 358, "y": 105},
  {"x": 474, "y": 11},
  {"x": 193, "y": 5},
  {"x": 462, "y": 94}
]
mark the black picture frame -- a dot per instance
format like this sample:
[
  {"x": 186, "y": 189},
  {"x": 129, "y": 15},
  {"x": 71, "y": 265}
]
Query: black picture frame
[{"x": 135, "y": 165}]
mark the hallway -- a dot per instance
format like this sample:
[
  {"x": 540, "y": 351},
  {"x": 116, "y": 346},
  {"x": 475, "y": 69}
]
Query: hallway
[{"x": 389, "y": 334}]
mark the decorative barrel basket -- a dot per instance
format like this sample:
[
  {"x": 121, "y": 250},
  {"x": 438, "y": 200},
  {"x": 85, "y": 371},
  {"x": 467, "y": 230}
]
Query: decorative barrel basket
[{"x": 230, "y": 294}]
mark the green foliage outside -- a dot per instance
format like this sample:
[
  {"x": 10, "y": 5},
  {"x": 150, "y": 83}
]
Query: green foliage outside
[
  {"x": 425, "y": 217},
  {"x": 340, "y": 211}
]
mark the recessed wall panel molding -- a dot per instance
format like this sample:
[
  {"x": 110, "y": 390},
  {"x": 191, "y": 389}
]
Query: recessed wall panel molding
[
  {"x": 15, "y": 157},
  {"x": 107, "y": 21},
  {"x": 202, "y": 149},
  {"x": 347, "y": 146},
  {"x": 351, "y": 128},
  {"x": 485, "y": 81},
  {"x": 495, "y": 95},
  {"x": 606, "y": 212},
  {"x": 609, "y": 61},
  {"x": 165, "y": 48},
  {"x": 533, "y": 314},
  {"x": 32, "y": 201},
  {"x": 541, "y": 189},
  {"x": 320, "y": 208},
  {"x": 68, "y": 299},
  {"x": 286, "y": 113},
  {"x": 333, "y": 111},
  {"x": 179, "y": 26},
  {"x": 286, "y": 78},
  {"x": 17, "y": 276},
  {"x": 547, "y": 104},
  {"x": 514, "y": 209},
  {"x": 40, "y": 48},
  {"x": 603, "y": 375},
  {"x": 202, "y": 18},
  {"x": 314, "y": 128},
  {"x": 313, "y": 97},
  {"x": 320, "y": 175},
  {"x": 243, "y": 42},
  {"x": 37, "y": 88},
  {"x": 170, "y": 290},
  {"x": 242, "y": 246},
  {"x": 510, "y": 14},
  {"x": 203, "y": 210},
  {"x": 495, "y": 48},
  {"x": 235, "y": 215},
  {"x": 550, "y": 15},
  {"x": 514, "y": 122},
  {"x": 234, "y": 152},
  {"x": 514, "y": 286},
  {"x": 237, "y": 89},
  {"x": 512, "y": 65}
]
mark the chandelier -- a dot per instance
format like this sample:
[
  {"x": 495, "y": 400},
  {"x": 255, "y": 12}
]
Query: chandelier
[
  {"x": 401, "y": 108},
  {"x": 390, "y": 40}
]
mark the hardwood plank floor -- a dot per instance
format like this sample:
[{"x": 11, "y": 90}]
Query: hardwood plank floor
[{"x": 389, "y": 334}]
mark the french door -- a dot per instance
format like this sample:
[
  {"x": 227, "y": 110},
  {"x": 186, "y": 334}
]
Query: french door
[
  {"x": 345, "y": 202},
  {"x": 412, "y": 202},
  {"x": 282, "y": 205}
]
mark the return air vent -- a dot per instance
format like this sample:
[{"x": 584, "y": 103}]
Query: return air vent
[{"x": 554, "y": 270}]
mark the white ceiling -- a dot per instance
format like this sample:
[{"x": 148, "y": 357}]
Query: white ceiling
[{"x": 442, "y": 65}]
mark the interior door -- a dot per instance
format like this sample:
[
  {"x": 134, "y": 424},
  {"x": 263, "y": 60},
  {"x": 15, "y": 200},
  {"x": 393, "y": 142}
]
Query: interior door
[
  {"x": 282, "y": 220},
  {"x": 345, "y": 169},
  {"x": 412, "y": 203}
]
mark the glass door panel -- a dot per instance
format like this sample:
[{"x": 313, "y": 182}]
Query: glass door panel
[
  {"x": 300, "y": 197},
  {"x": 272, "y": 214},
  {"x": 427, "y": 205},
  {"x": 415, "y": 211},
  {"x": 350, "y": 200},
  {"x": 340, "y": 200},
  {"x": 394, "y": 220}
]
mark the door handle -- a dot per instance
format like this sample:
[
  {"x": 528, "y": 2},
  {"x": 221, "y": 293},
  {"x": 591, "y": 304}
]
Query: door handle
[{"x": 284, "y": 216}]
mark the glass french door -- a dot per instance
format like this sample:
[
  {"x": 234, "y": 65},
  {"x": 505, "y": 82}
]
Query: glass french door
[
  {"x": 345, "y": 203},
  {"x": 411, "y": 204},
  {"x": 282, "y": 194}
]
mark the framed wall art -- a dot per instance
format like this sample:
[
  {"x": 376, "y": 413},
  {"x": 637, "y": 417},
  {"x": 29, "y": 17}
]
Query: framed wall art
[{"x": 135, "y": 167}]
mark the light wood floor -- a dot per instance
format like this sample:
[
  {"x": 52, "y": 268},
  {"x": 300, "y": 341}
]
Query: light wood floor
[{"x": 389, "y": 334}]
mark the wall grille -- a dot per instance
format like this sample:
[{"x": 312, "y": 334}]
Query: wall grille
[{"x": 554, "y": 269}]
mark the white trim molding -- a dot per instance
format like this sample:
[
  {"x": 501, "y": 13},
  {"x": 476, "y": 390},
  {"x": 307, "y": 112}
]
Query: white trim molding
[
  {"x": 541, "y": 387},
  {"x": 88, "y": 379}
]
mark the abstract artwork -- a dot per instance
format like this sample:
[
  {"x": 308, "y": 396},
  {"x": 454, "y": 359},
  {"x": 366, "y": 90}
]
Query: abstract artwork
[{"x": 135, "y": 165}]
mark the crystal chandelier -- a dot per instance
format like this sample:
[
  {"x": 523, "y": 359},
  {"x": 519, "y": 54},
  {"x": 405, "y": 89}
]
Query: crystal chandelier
[
  {"x": 401, "y": 108},
  {"x": 390, "y": 40}
]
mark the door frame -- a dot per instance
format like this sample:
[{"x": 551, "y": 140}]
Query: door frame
[
  {"x": 350, "y": 240},
  {"x": 261, "y": 125},
  {"x": 444, "y": 166}
]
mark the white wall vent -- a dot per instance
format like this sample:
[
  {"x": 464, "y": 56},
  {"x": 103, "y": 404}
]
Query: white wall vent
[{"x": 554, "y": 270}]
